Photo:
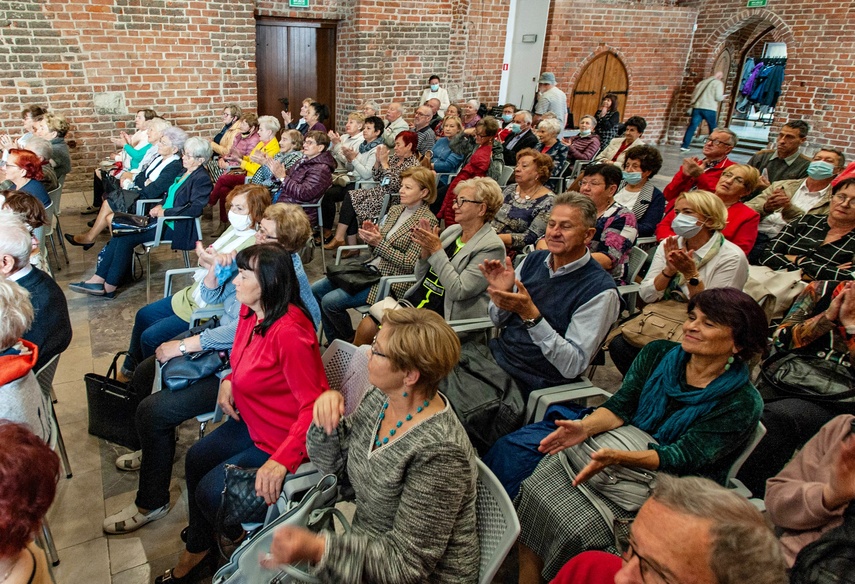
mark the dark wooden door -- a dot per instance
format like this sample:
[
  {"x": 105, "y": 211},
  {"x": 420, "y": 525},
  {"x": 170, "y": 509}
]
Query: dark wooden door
[
  {"x": 295, "y": 59},
  {"x": 605, "y": 74}
]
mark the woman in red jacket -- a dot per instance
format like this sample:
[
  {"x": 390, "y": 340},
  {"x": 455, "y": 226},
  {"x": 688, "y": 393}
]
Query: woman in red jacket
[{"x": 269, "y": 396}]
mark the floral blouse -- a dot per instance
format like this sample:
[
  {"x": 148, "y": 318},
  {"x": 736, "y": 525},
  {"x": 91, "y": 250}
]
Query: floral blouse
[
  {"x": 524, "y": 221},
  {"x": 615, "y": 236}
]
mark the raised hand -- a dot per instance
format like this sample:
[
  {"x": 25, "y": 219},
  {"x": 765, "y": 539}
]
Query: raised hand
[
  {"x": 518, "y": 302},
  {"x": 840, "y": 488},
  {"x": 499, "y": 275},
  {"x": 692, "y": 167},
  {"x": 328, "y": 411}
]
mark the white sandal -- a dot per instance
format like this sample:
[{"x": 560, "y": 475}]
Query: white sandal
[
  {"x": 130, "y": 461},
  {"x": 130, "y": 519}
]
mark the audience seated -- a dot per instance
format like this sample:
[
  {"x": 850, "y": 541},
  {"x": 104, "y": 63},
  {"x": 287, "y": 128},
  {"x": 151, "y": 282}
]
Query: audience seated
[
  {"x": 316, "y": 113},
  {"x": 733, "y": 185},
  {"x": 300, "y": 125},
  {"x": 21, "y": 398},
  {"x": 152, "y": 182},
  {"x": 276, "y": 376},
  {"x": 547, "y": 132},
  {"x": 435, "y": 119},
  {"x": 584, "y": 146},
  {"x": 243, "y": 143},
  {"x": 477, "y": 165},
  {"x": 29, "y": 210},
  {"x": 53, "y": 128},
  {"x": 290, "y": 151},
  {"x": 469, "y": 111},
  {"x": 521, "y": 221},
  {"x": 689, "y": 530},
  {"x": 369, "y": 108},
  {"x": 133, "y": 148},
  {"x": 785, "y": 162},
  {"x": 24, "y": 169},
  {"x": 641, "y": 163},
  {"x": 448, "y": 280},
  {"x": 437, "y": 92},
  {"x": 606, "y": 120},
  {"x": 29, "y": 115},
  {"x": 519, "y": 137},
  {"x": 221, "y": 144},
  {"x": 615, "y": 151},
  {"x": 452, "y": 110},
  {"x": 393, "y": 248},
  {"x": 696, "y": 259},
  {"x": 784, "y": 201},
  {"x": 421, "y": 126},
  {"x": 350, "y": 140},
  {"x": 449, "y": 151},
  {"x": 43, "y": 149},
  {"x": 703, "y": 173},
  {"x": 822, "y": 247},
  {"x": 812, "y": 493},
  {"x": 395, "y": 123},
  {"x": 364, "y": 204},
  {"x": 695, "y": 399},
  {"x": 158, "y": 414},
  {"x": 399, "y": 470},
  {"x": 161, "y": 320},
  {"x": 816, "y": 327},
  {"x": 310, "y": 177},
  {"x": 186, "y": 197},
  {"x": 508, "y": 111},
  {"x": 29, "y": 470}
]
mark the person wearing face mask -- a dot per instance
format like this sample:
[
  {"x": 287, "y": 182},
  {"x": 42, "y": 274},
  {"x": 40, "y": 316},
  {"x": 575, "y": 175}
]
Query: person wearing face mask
[
  {"x": 434, "y": 91},
  {"x": 641, "y": 163},
  {"x": 507, "y": 120},
  {"x": 519, "y": 137},
  {"x": 698, "y": 257},
  {"x": 586, "y": 145},
  {"x": 785, "y": 201}
]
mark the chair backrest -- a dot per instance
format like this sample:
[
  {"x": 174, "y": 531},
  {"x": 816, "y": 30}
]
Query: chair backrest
[
  {"x": 498, "y": 525},
  {"x": 387, "y": 198},
  {"x": 755, "y": 439},
  {"x": 346, "y": 367},
  {"x": 46, "y": 374},
  {"x": 55, "y": 198},
  {"x": 507, "y": 171},
  {"x": 637, "y": 257}
]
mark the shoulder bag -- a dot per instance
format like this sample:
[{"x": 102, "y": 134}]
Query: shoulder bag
[
  {"x": 824, "y": 376},
  {"x": 112, "y": 407},
  {"x": 658, "y": 321},
  {"x": 179, "y": 372},
  {"x": 353, "y": 277},
  {"x": 127, "y": 224}
]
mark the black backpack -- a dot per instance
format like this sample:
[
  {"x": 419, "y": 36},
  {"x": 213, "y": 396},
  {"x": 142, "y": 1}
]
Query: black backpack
[{"x": 831, "y": 558}]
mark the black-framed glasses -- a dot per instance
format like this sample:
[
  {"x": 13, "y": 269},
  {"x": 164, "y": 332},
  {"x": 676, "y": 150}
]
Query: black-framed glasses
[
  {"x": 374, "y": 350},
  {"x": 650, "y": 574},
  {"x": 717, "y": 142},
  {"x": 460, "y": 201}
]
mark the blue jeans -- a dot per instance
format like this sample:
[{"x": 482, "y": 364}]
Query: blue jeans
[
  {"x": 228, "y": 444},
  {"x": 154, "y": 324},
  {"x": 334, "y": 303},
  {"x": 114, "y": 261},
  {"x": 709, "y": 116}
]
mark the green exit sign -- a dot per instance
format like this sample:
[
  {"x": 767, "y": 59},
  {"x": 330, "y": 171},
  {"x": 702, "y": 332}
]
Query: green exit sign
[
  {"x": 756, "y": 3},
  {"x": 305, "y": 3}
]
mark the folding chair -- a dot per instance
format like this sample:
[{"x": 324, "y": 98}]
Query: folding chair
[{"x": 498, "y": 525}]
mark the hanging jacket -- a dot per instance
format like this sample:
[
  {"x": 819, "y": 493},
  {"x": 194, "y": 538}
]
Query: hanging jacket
[{"x": 749, "y": 84}]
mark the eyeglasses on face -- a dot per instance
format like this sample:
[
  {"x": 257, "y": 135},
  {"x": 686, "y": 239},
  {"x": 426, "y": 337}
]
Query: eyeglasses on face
[
  {"x": 374, "y": 350},
  {"x": 717, "y": 142},
  {"x": 460, "y": 201},
  {"x": 843, "y": 200},
  {"x": 650, "y": 574},
  {"x": 309, "y": 143},
  {"x": 737, "y": 179},
  {"x": 591, "y": 183},
  {"x": 264, "y": 235}
]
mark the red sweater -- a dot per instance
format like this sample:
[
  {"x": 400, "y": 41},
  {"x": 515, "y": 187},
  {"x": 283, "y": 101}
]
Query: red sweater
[
  {"x": 591, "y": 567},
  {"x": 682, "y": 182},
  {"x": 478, "y": 165},
  {"x": 741, "y": 228},
  {"x": 275, "y": 381}
]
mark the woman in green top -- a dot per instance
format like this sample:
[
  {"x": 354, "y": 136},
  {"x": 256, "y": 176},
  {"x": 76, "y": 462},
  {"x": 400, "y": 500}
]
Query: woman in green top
[{"x": 695, "y": 399}]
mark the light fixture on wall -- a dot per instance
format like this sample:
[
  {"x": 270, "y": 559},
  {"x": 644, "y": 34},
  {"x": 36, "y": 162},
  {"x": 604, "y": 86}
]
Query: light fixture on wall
[{"x": 529, "y": 38}]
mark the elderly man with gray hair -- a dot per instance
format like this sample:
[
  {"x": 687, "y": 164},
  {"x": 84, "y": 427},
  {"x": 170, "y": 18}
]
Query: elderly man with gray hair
[
  {"x": 51, "y": 327},
  {"x": 689, "y": 530},
  {"x": 421, "y": 126},
  {"x": 396, "y": 125},
  {"x": 703, "y": 173},
  {"x": 550, "y": 99}
]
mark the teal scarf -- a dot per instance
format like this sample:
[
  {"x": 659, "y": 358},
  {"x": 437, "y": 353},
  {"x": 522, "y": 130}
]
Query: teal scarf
[{"x": 170, "y": 196}]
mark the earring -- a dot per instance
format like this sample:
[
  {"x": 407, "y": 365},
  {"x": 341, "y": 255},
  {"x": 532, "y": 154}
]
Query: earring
[
  {"x": 730, "y": 361},
  {"x": 405, "y": 394}
]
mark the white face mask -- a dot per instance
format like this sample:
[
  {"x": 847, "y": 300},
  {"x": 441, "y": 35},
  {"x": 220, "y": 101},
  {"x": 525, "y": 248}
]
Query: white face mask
[{"x": 239, "y": 222}]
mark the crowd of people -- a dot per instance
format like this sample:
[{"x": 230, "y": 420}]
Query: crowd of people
[{"x": 542, "y": 264}]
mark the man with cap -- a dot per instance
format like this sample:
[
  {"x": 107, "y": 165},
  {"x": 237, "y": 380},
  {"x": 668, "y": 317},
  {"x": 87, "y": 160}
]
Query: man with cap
[{"x": 550, "y": 99}]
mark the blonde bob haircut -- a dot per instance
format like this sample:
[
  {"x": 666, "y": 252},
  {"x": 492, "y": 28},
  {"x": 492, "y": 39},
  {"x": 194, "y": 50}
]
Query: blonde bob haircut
[
  {"x": 426, "y": 179},
  {"x": 484, "y": 190},
  {"x": 749, "y": 174},
  {"x": 420, "y": 340},
  {"x": 16, "y": 312},
  {"x": 257, "y": 200},
  {"x": 357, "y": 117},
  {"x": 454, "y": 120},
  {"x": 709, "y": 205},
  {"x": 293, "y": 227}
]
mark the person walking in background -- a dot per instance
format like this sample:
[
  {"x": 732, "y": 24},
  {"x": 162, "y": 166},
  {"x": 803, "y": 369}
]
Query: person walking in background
[{"x": 704, "y": 103}]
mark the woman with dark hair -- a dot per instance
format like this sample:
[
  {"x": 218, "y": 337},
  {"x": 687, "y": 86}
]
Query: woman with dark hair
[
  {"x": 268, "y": 397},
  {"x": 641, "y": 163},
  {"x": 29, "y": 470},
  {"x": 307, "y": 180},
  {"x": 695, "y": 399},
  {"x": 24, "y": 169},
  {"x": 316, "y": 113},
  {"x": 29, "y": 115},
  {"x": 608, "y": 119},
  {"x": 362, "y": 204}
]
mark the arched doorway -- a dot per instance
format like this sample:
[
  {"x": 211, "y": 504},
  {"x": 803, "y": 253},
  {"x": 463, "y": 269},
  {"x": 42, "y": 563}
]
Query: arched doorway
[{"x": 605, "y": 74}]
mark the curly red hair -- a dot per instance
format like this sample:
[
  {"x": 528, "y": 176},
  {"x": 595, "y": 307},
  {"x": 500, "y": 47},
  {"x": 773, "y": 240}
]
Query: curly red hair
[
  {"x": 29, "y": 470},
  {"x": 27, "y": 161},
  {"x": 409, "y": 137}
]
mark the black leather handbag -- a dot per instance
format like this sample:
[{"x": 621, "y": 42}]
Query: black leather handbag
[
  {"x": 353, "y": 277},
  {"x": 112, "y": 407},
  {"x": 814, "y": 377},
  {"x": 239, "y": 503},
  {"x": 179, "y": 372},
  {"x": 127, "y": 224}
]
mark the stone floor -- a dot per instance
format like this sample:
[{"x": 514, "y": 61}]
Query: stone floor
[{"x": 97, "y": 489}]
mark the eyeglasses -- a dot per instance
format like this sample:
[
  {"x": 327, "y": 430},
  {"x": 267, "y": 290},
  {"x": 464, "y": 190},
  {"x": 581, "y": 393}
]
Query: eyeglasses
[
  {"x": 418, "y": 115},
  {"x": 717, "y": 142},
  {"x": 737, "y": 179},
  {"x": 843, "y": 200},
  {"x": 477, "y": 135},
  {"x": 650, "y": 574},
  {"x": 590, "y": 183},
  {"x": 264, "y": 235},
  {"x": 309, "y": 143},
  {"x": 374, "y": 350},
  {"x": 459, "y": 202}
]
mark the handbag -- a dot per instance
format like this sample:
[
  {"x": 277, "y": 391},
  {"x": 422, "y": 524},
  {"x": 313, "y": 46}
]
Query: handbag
[
  {"x": 127, "y": 224},
  {"x": 179, "y": 372},
  {"x": 378, "y": 309},
  {"x": 661, "y": 320},
  {"x": 315, "y": 511},
  {"x": 112, "y": 407},
  {"x": 774, "y": 290},
  {"x": 825, "y": 376},
  {"x": 239, "y": 503},
  {"x": 353, "y": 277}
]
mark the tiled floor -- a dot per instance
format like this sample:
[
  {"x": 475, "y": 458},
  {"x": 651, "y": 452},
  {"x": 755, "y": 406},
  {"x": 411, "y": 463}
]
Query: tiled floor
[{"x": 102, "y": 327}]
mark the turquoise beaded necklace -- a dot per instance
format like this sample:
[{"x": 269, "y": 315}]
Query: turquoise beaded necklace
[{"x": 377, "y": 440}]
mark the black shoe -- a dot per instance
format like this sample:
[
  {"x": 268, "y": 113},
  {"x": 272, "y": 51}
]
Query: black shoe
[
  {"x": 91, "y": 223},
  {"x": 90, "y": 210},
  {"x": 70, "y": 239},
  {"x": 199, "y": 571}
]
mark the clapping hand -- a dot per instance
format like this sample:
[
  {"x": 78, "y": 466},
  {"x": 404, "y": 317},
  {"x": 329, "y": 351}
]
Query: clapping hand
[
  {"x": 286, "y": 117},
  {"x": 500, "y": 275},
  {"x": 349, "y": 153},
  {"x": 370, "y": 233},
  {"x": 277, "y": 168},
  {"x": 840, "y": 488},
  {"x": 427, "y": 238},
  {"x": 518, "y": 302},
  {"x": 335, "y": 137},
  {"x": 206, "y": 255},
  {"x": 6, "y": 142},
  {"x": 382, "y": 155},
  {"x": 692, "y": 167}
]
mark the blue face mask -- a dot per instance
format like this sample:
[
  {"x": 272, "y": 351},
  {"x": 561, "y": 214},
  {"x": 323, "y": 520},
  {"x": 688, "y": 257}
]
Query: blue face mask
[
  {"x": 507, "y": 117},
  {"x": 632, "y": 178},
  {"x": 820, "y": 170},
  {"x": 584, "y": 133},
  {"x": 434, "y": 87},
  {"x": 686, "y": 226},
  {"x": 515, "y": 128}
]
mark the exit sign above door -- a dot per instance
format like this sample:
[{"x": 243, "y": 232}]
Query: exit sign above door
[
  {"x": 305, "y": 3},
  {"x": 756, "y": 3}
]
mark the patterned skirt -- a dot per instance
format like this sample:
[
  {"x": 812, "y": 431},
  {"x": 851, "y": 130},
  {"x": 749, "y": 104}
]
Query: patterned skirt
[
  {"x": 367, "y": 202},
  {"x": 558, "y": 521}
]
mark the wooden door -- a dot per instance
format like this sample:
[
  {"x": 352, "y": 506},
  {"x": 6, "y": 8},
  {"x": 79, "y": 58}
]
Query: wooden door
[
  {"x": 605, "y": 74},
  {"x": 295, "y": 59}
]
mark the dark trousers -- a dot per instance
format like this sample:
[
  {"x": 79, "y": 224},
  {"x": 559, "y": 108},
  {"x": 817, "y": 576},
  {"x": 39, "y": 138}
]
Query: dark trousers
[
  {"x": 157, "y": 417},
  {"x": 334, "y": 194},
  {"x": 708, "y": 116},
  {"x": 760, "y": 244},
  {"x": 228, "y": 444},
  {"x": 789, "y": 424},
  {"x": 114, "y": 261},
  {"x": 347, "y": 215},
  {"x": 622, "y": 354},
  {"x": 154, "y": 324}
]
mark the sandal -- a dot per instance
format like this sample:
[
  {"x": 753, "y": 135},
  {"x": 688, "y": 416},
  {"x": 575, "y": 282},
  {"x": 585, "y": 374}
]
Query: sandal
[
  {"x": 130, "y": 461},
  {"x": 130, "y": 519}
]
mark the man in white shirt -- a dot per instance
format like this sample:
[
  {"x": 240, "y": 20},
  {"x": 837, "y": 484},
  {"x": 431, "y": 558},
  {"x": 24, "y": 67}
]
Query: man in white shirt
[
  {"x": 550, "y": 99},
  {"x": 396, "y": 125}
]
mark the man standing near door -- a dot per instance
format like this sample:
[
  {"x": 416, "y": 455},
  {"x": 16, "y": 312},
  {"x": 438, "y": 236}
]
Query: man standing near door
[
  {"x": 704, "y": 103},
  {"x": 550, "y": 99}
]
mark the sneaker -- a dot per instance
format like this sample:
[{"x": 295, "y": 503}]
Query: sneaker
[
  {"x": 130, "y": 519},
  {"x": 684, "y": 149},
  {"x": 130, "y": 461}
]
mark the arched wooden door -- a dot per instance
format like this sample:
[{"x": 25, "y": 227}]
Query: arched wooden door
[{"x": 605, "y": 74}]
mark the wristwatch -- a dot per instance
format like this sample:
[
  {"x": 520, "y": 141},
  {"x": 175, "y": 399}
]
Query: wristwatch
[
  {"x": 182, "y": 348},
  {"x": 532, "y": 322},
  {"x": 694, "y": 280}
]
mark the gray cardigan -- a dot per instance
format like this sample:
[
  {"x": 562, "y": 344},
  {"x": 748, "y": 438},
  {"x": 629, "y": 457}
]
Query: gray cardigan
[
  {"x": 415, "y": 500},
  {"x": 465, "y": 285}
]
